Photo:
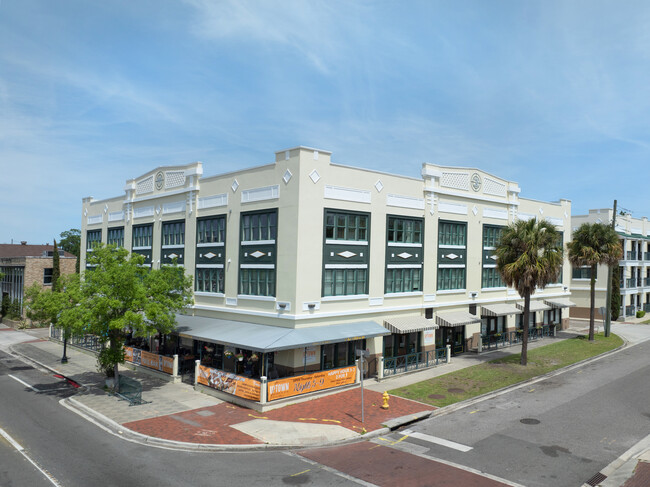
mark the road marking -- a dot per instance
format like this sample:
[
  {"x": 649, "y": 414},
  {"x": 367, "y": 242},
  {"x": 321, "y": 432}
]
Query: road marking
[
  {"x": 24, "y": 383},
  {"x": 300, "y": 473},
  {"x": 21, "y": 450},
  {"x": 330, "y": 470},
  {"x": 401, "y": 439},
  {"x": 475, "y": 411},
  {"x": 438, "y": 441}
]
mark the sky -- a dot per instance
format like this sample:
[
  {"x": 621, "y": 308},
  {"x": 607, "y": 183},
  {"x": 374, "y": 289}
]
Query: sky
[{"x": 554, "y": 95}]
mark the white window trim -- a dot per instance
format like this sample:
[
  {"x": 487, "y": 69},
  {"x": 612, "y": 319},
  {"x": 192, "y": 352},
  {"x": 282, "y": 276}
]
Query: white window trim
[
  {"x": 346, "y": 297},
  {"x": 397, "y": 244},
  {"x": 403, "y": 294},
  {"x": 451, "y": 266},
  {"x": 209, "y": 266},
  {"x": 179, "y": 246},
  {"x": 346, "y": 266},
  {"x": 452, "y": 246},
  {"x": 451, "y": 291},
  {"x": 404, "y": 266},
  {"x": 141, "y": 248},
  {"x": 253, "y": 297},
  {"x": 488, "y": 289},
  {"x": 257, "y": 266},
  {"x": 331, "y": 241},
  {"x": 257, "y": 242},
  {"x": 207, "y": 294},
  {"x": 211, "y": 244}
]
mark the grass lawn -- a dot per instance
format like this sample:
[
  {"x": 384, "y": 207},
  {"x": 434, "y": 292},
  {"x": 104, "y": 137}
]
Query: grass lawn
[{"x": 490, "y": 376}]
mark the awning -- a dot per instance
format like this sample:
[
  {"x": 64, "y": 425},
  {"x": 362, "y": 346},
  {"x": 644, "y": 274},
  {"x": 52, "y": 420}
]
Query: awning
[
  {"x": 267, "y": 338},
  {"x": 409, "y": 324},
  {"x": 456, "y": 318},
  {"x": 534, "y": 306},
  {"x": 560, "y": 303},
  {"x": 500, "y": 309}
]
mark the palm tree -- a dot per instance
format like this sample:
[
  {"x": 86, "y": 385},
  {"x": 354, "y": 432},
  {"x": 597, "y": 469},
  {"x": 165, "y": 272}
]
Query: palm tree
[
  {"x": 529, "y": 256},
  {"x": 593, "y": 244}
]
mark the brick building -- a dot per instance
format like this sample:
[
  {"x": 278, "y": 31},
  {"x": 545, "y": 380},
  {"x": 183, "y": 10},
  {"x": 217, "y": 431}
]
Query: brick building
[{"x": 23, "y": 265}]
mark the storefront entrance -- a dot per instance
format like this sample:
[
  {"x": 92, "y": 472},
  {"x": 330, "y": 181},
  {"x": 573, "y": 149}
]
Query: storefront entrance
[{"x": 453, "y": 336}]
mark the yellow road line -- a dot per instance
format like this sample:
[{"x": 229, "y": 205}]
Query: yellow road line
[
  {"x": 258, "y": 417},
  {"x": 475, "y": 411},
  {"x": 332, "y": 420},
  {"x": 300, "y": 473},
  {"x": 308, "y": 419},
  {"x": 401, "y": 439}
]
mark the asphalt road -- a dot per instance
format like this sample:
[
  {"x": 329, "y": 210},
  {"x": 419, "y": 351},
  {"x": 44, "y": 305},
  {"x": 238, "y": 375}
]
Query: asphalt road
[{"x": 560, "y": 431}]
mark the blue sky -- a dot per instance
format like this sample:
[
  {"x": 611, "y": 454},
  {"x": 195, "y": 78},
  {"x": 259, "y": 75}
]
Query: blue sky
[{"x": 553, "y": 95}]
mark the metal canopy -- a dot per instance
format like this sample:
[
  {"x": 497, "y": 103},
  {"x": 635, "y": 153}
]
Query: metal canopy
[
  {"x": 560, "y": 303},
  {"x": 267, "y": 338},
  {"x": 456, "y": 318},
  {"x": 534, "y": 306},
  {"x": 409, "y": 324},
  {"x": 499, "y": 309}
]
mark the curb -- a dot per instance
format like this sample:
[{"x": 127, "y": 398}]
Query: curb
[{"x": 118, "y": 430}]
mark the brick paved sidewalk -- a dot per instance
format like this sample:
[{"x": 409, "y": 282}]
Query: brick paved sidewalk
[{"x": 213, "y": 425}]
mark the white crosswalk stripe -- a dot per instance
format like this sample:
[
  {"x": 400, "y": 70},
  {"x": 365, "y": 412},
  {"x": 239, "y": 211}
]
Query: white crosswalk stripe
[{"x": 437, "y": 441}]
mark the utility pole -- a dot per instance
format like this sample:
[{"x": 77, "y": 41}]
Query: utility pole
[{"x": 608, "y": 304}]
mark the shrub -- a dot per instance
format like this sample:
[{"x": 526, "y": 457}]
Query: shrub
[{"x": 640, "y": 313}]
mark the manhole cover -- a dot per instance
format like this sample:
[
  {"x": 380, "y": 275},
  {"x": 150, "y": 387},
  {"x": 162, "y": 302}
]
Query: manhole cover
[
  {"x": 529, "y": 421},
  {"x": 456, "y": 391},
  {"x": 436, "y": 396}
]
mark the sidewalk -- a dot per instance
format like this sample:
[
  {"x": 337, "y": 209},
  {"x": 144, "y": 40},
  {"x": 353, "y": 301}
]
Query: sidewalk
[{"x": 180, "y": 417}]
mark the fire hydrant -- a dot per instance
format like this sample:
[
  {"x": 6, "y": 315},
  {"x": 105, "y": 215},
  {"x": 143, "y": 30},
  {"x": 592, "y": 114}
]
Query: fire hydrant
[{"x": 385, "y": 396}]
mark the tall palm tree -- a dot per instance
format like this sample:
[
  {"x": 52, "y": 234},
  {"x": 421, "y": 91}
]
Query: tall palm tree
[
  {"x": 529, "y": 256},
  {"x": 593, "y": 244}
]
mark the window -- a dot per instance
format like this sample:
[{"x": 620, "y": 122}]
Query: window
[
  {"x": 209, "y": 280},
  {"x": 344, "y": 282},
  {"x": 47, "y": 276},
  {"x": 403, "y": 230},
  {"x": 451, "y": 278},
  {"x": 583, "y": 273},
  {"x": 257, "y": 282},
  {"x": 491, "y": 278},
  {"x": 142, "y": 235},
  {"x": 115, "y": 237},
  {"x": 452, "y": 233},
  {"x": 346, "y": 226},
  {"x": 493, "y": 324},
  {"x": 93, "y": 239},
  {"x": 491, "y": 236},
  {"x": 403, "y": 280},
  {"x": 173, "y": 233},
  {"x": 259, "y": 226},
  {"x": 211, "y": 230}
]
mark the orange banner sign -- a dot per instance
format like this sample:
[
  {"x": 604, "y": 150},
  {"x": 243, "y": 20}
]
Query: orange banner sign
[
  {"x": 148, "y": 359},
  {"x": 231, "y": 383},
  {"x": 295, "y": 386}
]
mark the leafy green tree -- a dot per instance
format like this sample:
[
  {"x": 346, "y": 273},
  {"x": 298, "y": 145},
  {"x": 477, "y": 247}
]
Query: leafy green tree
[
  {"x": 56, "y": 267},
  {"x": 594, "y": 244},
  {"x": 71, "y": 242},
  {"x": 615, "y": 302},
  {"x": 529, "y": 256},
  {"x": 120, "y": 294}
]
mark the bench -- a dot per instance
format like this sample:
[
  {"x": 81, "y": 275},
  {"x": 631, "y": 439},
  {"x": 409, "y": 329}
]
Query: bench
[{"x": 130, "y": 390}]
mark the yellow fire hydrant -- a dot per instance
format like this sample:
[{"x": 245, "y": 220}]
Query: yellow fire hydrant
[{"x": 385, "y": 396}]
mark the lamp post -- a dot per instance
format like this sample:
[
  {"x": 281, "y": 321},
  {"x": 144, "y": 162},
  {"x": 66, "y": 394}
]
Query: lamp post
[{"x": 64, "y": 359}]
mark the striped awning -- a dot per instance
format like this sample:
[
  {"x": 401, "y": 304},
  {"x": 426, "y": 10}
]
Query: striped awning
[
  {"x": 452, "y": 319},
  {"x": 408, "y": 324},
  {"x": 499, "y": 309},
  {"x": 560, "y": 303},
  {"x": 534, "y": 306}
]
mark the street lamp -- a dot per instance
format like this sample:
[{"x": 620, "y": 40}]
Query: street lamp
[{"x": 64, "y": 359}]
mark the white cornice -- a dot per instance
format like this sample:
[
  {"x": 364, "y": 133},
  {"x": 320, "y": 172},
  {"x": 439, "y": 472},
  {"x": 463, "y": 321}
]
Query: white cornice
[{"x": 468, "y": 196}]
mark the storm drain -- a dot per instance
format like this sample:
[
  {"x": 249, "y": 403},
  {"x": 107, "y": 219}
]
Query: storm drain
[
  {"x": 529, "y": 421},
  {"x": 596, "y": 479}
]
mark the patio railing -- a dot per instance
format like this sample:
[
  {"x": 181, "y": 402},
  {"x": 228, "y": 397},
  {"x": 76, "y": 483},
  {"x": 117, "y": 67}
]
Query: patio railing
[
  {"x": 414, "y": 361},
  {"x": 510, "y": 338},
  {"x": 89, "y": 342}
]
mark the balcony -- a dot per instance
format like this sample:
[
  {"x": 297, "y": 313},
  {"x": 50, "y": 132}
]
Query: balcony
[
  {"x": 630, "y": 310},
  {"x": 646, "y": 256},
  {"x": 646, "y": 282},
  {"x": 630, "y": 282},
  {"x": 631, "y": 255}
]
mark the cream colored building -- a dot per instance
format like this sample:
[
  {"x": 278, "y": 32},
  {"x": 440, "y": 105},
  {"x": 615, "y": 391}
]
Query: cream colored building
[
  {"x": 633, "y": 269},
  {"x": 305, "y": 261}
]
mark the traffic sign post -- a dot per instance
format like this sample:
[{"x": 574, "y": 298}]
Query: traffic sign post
[{"x": 362, "y": 354}]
